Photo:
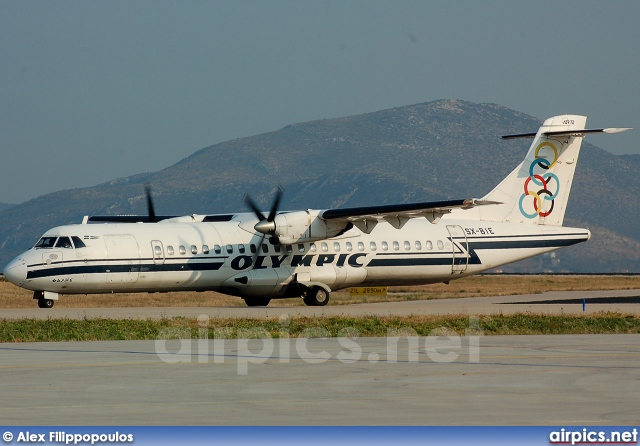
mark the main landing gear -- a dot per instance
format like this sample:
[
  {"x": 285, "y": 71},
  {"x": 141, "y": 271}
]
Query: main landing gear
[
  {"x": 316, "y": 297},
  {"x": 257, "y": 301}
]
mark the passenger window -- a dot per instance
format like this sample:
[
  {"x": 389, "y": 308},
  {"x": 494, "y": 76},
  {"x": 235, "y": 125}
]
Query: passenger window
[
  {"x": 418, "y": 245},
  {"x": 407, "y": 246},
  {"x": 429, "y": 245},
  {"x": 205, "y": 249},
  {"x": 360, "y": 246},
  {"x": 312, "y": 247},
  {"x": 440, "y": 244},
  {"x": 183, "y": 250},
  {"x": 194, "y": 249},
  {"x": 276, "y": 248},
  {"x": 64, "y": 242},
  {"x": 396, "y": 246},
  {"x": 265, "y": 248},
  {"x": 157, "y": 250},
  {"x": 324, "y": 247},
  {"x": 300, "y": 247},
  {"x": 336, "y": 246},
  {"x": 253, "y": 248},
  {"x": 77, "y": 242},
  {"x": 229, "y": 249},
  {"x": 373, "y": 246},
  {"x": 385, "y": 246},
  {"x": 241, "y": 249},
  {"x": 170, "y": 250},
  {"x": 217, "y": 249},
  {"x": 349, "y": 246},
  {"x": 287, "y": 248}
]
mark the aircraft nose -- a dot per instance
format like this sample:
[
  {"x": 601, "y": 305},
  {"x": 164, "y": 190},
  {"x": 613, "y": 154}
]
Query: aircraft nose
[{"x": 16, "y": 271}]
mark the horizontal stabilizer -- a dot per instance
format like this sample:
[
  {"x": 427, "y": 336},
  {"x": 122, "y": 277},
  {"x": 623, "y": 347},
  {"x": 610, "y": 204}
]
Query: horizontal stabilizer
[
  {"x": 585, "y": 131},
  {"x": 569, "y": 132},
  {"x": 519, "y": 135}
]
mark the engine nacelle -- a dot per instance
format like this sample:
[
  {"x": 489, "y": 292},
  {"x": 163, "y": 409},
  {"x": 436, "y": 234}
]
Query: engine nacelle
[{"x": 305, "y": 226}]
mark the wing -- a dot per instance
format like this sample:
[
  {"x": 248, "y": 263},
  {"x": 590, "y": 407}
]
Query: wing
[{"x": 365, "y": 218}]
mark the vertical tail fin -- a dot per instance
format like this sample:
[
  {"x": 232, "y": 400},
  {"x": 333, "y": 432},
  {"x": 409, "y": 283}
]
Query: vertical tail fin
[{"x": 537, "y": 190}]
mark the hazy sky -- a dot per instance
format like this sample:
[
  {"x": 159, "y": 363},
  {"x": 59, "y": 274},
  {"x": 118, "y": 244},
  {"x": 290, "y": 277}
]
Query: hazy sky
[{"x": 93, "y": 91}]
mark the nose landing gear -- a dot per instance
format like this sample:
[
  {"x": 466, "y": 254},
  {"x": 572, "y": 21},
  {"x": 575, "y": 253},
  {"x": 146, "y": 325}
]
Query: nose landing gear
[{"x": 43, "y": 301}]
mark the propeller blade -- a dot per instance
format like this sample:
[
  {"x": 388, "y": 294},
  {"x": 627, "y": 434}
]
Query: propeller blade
[
  {"x": 249, "y": 202},
  {"x": 276, "y": 204},
  {"x": 257, "y": 253},
  {"x": 152, "y": 212}
]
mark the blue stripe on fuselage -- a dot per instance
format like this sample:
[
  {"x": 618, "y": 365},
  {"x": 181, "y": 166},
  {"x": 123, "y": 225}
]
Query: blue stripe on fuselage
[{"x": 114, "y": 268}]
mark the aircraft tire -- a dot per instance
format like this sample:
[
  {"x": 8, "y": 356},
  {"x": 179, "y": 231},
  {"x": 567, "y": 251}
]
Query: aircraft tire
[
  {"x": 45, "y": 303},
  {"x": 316, "y": 297},
  {"x": 257, "y": 301}
]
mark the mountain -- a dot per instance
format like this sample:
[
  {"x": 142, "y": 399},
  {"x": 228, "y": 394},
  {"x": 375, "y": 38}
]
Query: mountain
[
  {"x": 4, "y": 206},
  {"x": 446, "y": 149}
]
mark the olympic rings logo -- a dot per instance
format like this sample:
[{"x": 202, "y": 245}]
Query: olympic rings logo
[{"x": 544, "y": 192}]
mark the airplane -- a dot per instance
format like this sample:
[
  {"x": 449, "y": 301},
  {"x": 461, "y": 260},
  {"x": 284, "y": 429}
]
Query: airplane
[{"x": 310, "y": 253}]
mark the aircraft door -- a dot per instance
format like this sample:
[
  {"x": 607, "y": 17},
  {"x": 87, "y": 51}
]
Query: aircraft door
[
  {"x": 460, "y": 249},
  {"x": 341, "y": 275},
  {"x": 124, "y": 258},
  {"x": 158, "y": 252},
  {"x": 50, "y": 258}
]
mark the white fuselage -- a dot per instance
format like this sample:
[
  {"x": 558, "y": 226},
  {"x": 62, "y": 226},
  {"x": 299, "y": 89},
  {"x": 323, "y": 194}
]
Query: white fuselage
[
  {"x": 219, "y": 256},
  {"x": 309, "y": 253}
]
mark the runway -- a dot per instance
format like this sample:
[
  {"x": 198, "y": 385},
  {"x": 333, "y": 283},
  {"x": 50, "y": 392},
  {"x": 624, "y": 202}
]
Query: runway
[
  {"x": 492, "y": 380},
  {"x": 508, "y": 380},
  {"x": 555, "y": 302}
]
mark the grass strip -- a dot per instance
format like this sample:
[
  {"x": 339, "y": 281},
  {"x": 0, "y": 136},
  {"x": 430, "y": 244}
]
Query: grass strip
[{"x": 32, "y": 330}]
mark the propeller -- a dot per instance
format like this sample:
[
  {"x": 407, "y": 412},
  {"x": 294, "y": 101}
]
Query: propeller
[
  {"x": 151, "y": 211},
  {"x": 151, "y": 216},
  {"x": 266, "y": 225}
]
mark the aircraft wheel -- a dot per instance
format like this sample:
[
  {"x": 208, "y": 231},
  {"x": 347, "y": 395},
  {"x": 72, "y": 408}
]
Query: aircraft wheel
[
  {"x": 45, "y": 303},
  {"x": 257, "y": 301},
  {"x": 316, "y": 297}
]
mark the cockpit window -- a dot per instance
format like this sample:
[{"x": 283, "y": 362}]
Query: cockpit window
[
  {"x": 46, "y": 242},
  {"x": 77, "y": 242},
  {"x": 64, "y": 242}
]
